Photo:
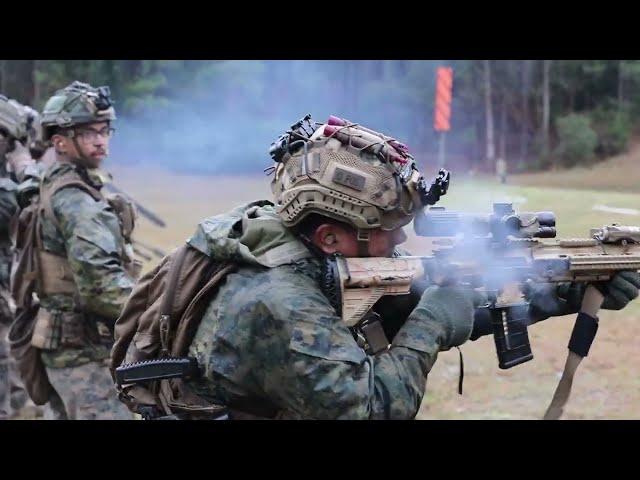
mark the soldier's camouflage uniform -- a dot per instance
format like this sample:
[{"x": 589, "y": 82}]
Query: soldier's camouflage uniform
[
  {"x": 27, "y": 173},
  {"x": 271, "y": 337},
  {"x": 81, "y": 325},
  {"x": 8, "y": 207}
]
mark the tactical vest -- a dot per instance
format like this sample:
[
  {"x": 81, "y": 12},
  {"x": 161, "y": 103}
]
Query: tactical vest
[
  {"x": 55, "y": 269},
  {"x": 51, "y": 272}
]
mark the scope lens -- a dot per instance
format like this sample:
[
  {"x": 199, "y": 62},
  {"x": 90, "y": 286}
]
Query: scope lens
[
  {"x": 502, "y": 209},
  {"x": 546, "y": 219},
  {"x": 546, "y": 232},
  {"x": 512, "y": 223}
]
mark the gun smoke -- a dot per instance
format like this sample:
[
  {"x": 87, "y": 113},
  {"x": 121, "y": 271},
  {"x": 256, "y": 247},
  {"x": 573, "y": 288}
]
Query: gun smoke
[{"x": 227, "y": 124}]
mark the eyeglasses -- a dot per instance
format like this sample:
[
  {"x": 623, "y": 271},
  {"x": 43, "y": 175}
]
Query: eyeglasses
[{"x": 90, "y": 135}]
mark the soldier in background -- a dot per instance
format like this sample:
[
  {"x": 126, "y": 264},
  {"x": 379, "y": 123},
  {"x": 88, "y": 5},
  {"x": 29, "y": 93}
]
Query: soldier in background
[
  {"x": 85, "y": 255},
  {"x": 501, "y": 170},
  {"x": 18, "y": 146}
]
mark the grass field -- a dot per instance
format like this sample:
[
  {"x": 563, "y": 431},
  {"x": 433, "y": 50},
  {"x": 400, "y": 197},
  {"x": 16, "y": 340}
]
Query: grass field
[
  {"x": 607, "y": 385},
  {"x": 620, "y": 174}
]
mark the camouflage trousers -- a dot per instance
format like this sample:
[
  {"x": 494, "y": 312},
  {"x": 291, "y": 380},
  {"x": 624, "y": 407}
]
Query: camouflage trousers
[
  {"x": 14, "y": 400},
  {"x": 5, "y": 389},
  {"x": 85, "y": 392}
]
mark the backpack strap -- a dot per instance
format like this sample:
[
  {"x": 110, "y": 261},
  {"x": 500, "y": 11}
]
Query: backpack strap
[
  {"x": 169, "y": 298},
  {"x": 24, "y": 272},
  {"x": 70, "y": 180},
  {"x": 190, "y": 319}
]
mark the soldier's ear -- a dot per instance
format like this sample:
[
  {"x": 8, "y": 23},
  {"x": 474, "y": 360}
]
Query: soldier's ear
[
  {"x": 325, "y": 238},
  {"x": 59, "y": 143},
  {"x": 334, "y": 238}
]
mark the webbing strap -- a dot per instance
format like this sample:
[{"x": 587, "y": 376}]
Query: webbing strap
[{"x": 585, "y": 332}]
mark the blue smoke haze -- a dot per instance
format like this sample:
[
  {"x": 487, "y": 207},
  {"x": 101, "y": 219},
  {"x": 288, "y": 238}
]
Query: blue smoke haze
[{"x": 227, "y": 117}]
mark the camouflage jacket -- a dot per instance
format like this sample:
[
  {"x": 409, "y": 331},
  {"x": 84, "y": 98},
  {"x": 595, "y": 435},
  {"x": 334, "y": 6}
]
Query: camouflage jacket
[
  {"x": 270, "y": 335},
  {"x": 8, "y": 207},
  {"x": 90, "y": 238}
]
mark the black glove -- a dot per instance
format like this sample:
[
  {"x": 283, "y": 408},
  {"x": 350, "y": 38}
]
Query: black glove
[
  {"x": 620, "y": 290},
  {"x": 565, "y": 299},
  {"x": 481, "y": 324},
  {"x": 452, "y": 306},
  {"x": 551, "y": 300}
]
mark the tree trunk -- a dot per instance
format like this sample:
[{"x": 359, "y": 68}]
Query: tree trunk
[
  {"x": 502, "y": 144},
  {"x": 620, "y": 83},
  {"x": 490, "y": 151},
  {"x": 3, "y": 77},
  {"x": 376, "y": 69},
  {"x": 524, "y": 125},
  {"x": 35, "y": 101},
  {"x": 480, "y": 147},
  {"x": 29, "y": 82},
  {"x": 546, "y": 103}
]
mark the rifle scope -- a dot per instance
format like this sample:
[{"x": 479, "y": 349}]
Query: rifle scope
[{"x": 502, "y": 223}]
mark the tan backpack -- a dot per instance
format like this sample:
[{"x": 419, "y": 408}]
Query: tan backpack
[
  {"x": 23, "y": 284},
  {"x": 153, "y": 334}
]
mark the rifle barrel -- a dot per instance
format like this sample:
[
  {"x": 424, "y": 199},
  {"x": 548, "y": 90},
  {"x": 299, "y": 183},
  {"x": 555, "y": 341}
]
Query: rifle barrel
[{"x": 145, "y": 212}]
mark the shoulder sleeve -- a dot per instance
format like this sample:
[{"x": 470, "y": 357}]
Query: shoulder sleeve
[
  {"x": 8, "y": 203},
  {"x": 287, "y": 338},
  {"x": 93, "y": 243}
]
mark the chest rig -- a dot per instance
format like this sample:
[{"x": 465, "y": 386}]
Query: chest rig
[{"x": 54, "y": 275}]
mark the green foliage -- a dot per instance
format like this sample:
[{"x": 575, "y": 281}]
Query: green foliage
[
  {"x": 392, "y": 96},
  {"x": 577, "y": 141},
  {"x": 613, "y": 127}
]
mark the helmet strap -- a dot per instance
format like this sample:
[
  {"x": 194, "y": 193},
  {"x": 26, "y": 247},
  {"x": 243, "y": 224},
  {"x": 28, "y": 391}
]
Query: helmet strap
[
  {"x": 363, "y": 238},
  {"x": 309, "y": 244},
  {"x": 75, "y": 144}
]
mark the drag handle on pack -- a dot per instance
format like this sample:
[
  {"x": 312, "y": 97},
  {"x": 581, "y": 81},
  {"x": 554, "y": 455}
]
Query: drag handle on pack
[
  {"x": 159, "y": 369},
  {"x": 510, "y": 334}
]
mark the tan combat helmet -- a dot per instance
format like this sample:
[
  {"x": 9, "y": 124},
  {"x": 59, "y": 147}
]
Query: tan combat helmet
[{"x": 349, "y": 173}]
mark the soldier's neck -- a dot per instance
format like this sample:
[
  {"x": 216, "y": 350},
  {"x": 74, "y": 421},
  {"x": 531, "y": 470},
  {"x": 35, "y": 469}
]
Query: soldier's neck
[{"x": 63, "y": 158}]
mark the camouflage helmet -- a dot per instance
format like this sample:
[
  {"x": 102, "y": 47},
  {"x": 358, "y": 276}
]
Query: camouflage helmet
[
  {"x": 35, "y": 140},
  {"x": 346, "y": 172},
  {"x": 16, "y": 120},
  {"x": 76, "y": 104}
]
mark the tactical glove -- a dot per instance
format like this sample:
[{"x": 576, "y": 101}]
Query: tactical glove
[
  {"x": 548, "y": 300},
  {"x": 453, "y": 307}
]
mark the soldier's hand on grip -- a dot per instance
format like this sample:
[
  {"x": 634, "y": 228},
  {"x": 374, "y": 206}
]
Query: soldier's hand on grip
[
  {"x": 620, "y": 290},
  {"x": 452, "y": 306},
  {"x": 565, "y": 299}
]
